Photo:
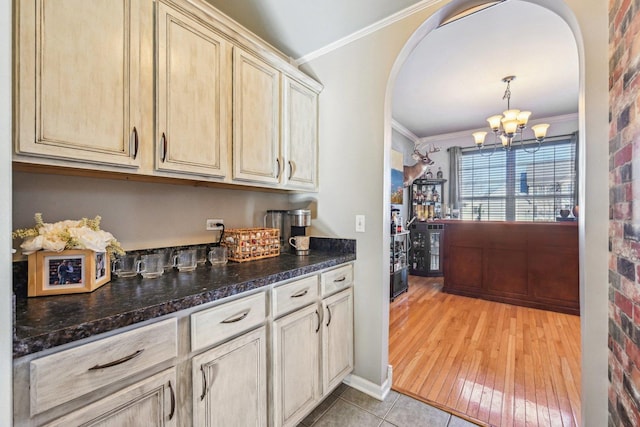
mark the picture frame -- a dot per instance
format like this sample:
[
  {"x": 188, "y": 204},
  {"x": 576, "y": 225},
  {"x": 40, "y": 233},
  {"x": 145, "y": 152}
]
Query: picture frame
[
  {"x": 397, "y": 178},
  {"x": 67, "y": 272}
]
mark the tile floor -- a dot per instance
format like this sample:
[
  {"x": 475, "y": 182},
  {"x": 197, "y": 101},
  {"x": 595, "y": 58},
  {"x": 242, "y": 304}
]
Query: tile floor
[{"x": 348, "y": 407}]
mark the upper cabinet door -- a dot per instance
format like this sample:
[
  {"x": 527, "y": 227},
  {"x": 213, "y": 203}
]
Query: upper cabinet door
[
  {"x": 193, "y": 96},
  {"x": 256, "y": 120},
  {"x": 78, "y": 77},
  {"x": 300, "y": 135}
]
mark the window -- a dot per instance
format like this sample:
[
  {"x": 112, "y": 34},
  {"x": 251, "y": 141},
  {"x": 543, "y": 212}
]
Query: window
[{"x": 518, "y": 186}]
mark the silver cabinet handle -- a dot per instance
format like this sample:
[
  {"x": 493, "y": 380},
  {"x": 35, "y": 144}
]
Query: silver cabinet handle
[
  {"x": 117, "y": 362},
  {"x": 342, "y": 279},
  {"x": 329, "y": 311},
  {"x": 300, "y": 294},
  {"x": 290, "y": 169},
  {"x": 237, "y": 318},
  {"x": 278, "y": 166},
  {"x": 319, "y": 323}
]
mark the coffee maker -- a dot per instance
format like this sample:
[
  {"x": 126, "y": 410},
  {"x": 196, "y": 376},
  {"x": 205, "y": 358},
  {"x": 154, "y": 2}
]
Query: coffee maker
[
  {"x": 299, "y": 220},
  {"x": 275, "y": 218}
]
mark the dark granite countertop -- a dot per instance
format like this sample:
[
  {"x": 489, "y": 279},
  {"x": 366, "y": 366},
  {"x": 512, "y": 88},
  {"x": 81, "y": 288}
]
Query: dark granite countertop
[{"x": 46, "y": 322}]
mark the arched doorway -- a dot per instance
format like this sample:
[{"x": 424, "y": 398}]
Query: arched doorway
[{"x": 593, "y": 179}]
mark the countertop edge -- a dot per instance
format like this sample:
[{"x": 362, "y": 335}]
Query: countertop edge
[{"x": 33, "y": 344}]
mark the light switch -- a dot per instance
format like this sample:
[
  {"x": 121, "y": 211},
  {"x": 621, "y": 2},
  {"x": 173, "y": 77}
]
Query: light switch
[{"x": 359, "y": 223}]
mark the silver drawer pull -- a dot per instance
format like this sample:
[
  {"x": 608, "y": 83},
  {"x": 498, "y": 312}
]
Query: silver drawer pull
[
  {"x": 117, "y": 362},
  {"x": 300, "y": 294},
  {"x": 342, "y": 279},
  {"x": 237, "y": 318}
]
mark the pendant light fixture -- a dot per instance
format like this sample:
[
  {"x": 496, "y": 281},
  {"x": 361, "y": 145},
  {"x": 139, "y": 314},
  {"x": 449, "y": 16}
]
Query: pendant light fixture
[{"x": 510, "y": 124}]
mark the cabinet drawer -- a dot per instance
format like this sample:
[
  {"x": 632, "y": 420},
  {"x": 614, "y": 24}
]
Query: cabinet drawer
[
  {"x": 294, "y": 295},
  {"x": 68, "y": 374},
  {"x": 224, "y": 321},
  {"x": 336, "y": 279}
]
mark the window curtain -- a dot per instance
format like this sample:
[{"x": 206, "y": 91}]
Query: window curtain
[
  {"x": 575, "y": 140},
  {"x": 454, "y": 176}
]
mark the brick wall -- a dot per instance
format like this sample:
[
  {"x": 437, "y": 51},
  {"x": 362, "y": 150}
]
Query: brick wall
[{"x": 624, "y": 220}]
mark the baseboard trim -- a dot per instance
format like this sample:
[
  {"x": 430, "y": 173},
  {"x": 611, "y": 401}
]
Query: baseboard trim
[{"x": 376, "y": 391}]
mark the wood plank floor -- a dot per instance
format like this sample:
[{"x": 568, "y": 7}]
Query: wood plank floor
[{"x": 498, "y": 363}]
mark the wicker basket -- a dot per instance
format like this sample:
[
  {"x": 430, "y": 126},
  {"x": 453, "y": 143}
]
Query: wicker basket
[{"x": 248, "y": 244}]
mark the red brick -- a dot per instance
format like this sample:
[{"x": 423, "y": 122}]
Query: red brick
[
  {"x": 623, "y": 155},
  {"x": 632, "y": 353},
  {"x": 636, "y": 315},
  {"x": 624, "y": 304}
]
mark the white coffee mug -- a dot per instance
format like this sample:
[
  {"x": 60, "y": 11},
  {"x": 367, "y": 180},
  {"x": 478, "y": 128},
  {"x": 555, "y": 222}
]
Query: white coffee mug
[{"x": 301, "y": 243}]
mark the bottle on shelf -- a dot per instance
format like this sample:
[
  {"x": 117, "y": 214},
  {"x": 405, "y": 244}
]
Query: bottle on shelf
[{"x": 439, "y": 174}]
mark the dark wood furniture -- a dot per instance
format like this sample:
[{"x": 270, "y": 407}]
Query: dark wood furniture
[{"x": 528, "y": 264}]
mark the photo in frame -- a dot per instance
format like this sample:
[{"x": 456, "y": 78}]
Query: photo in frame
[
  {"x": 67, "y": 272},
  {"x": 397, "y": 178}
]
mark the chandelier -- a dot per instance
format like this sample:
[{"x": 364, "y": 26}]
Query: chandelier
[{"x": 510, "y": 125}]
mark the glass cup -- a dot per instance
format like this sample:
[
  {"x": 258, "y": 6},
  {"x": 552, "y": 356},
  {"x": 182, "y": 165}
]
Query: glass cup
[
  {"x": 125, "y": 266},
  {"x": 218, "y": 255},
  {"x": 150, "y": 266},
  {"x": 185, "y": 260},
  {"x": 167, "y": 258},
  {"x": 201, "y": 254}
]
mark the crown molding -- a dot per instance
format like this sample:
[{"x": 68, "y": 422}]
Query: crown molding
[
  {"x": 398, "y": 127},
  {"x": 366, "y": 31}
]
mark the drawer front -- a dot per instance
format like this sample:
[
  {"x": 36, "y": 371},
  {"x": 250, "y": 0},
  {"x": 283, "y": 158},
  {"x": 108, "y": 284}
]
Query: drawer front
[
  {"x": 336, "y": 279},
  {"x": 294, "y": 295},
  {"x": 68, "y": 374},
  {"x": 216, "y": 324}
]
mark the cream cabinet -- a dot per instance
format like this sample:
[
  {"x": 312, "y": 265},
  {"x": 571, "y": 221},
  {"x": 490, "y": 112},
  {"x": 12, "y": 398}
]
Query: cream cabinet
[
  {"x": 230, "y": 383},
  {"x": 296, "y": 365},
  {"x": 193, "y": 95},
  {"x": 312, "y": 349},
  {"x": 337, "y": 339},
  {"x": 78, "y": 81},
  {"x": 150, "y": 403},
  {"x": 300, "y": 135},
  {"x": 256, "y": 120}
]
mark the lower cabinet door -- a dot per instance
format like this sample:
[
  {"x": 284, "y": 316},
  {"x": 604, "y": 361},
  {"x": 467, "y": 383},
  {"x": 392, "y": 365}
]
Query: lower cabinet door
[
  {"x": 296, "y": 365},
  {"x": 337, "y": 339},
  {"x": 230, "y": 383},
  {"x": 150, "y": 402}
]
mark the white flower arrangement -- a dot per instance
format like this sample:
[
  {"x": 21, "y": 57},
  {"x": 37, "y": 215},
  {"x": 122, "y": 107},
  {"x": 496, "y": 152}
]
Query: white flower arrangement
[{"x": 68, "y": 234}]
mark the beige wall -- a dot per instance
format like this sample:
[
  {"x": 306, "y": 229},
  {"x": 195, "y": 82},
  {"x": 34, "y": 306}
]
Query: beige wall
[
  {"x": 140, "y": 215},
  {"x": 355, "y": 130}
]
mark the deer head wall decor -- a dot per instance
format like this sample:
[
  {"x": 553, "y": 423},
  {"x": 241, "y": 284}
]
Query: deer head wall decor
[{"x": 412, "y": 172}]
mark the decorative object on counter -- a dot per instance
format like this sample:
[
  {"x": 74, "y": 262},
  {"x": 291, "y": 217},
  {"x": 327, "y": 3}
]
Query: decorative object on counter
[
  {"x": 512, "y": 124},
  {"x": 67, "y": 256},
  {"x": 186, "y": 260},
  {"x": 301, "y": 243},
  {"x": 439, "y": 174},
  {"x": 249, "y": 244},
  {"x": 428, "y": 174},
  {"x": 575, "y": 211}
]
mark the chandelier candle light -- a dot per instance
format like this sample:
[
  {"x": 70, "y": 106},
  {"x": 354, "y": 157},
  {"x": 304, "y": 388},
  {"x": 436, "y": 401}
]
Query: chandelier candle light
[{"x": 511, "y": 123}]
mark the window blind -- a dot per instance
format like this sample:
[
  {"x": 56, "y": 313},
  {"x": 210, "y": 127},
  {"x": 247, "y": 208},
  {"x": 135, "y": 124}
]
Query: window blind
[{"x": 516, "y": 185}]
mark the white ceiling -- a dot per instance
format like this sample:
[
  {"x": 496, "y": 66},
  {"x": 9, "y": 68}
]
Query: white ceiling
[{"x": 452, "y": 80}]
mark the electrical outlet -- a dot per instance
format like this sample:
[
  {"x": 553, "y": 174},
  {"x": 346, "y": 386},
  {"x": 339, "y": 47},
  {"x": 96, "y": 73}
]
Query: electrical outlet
[
  {"x": 359, "y": 223},
  {"x": 211, "y": 224}
]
